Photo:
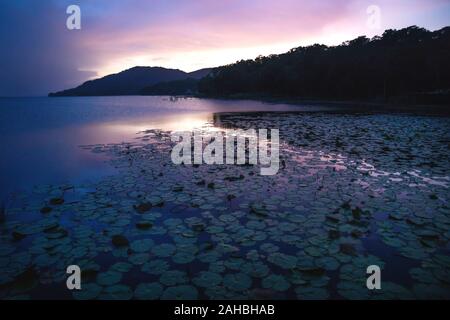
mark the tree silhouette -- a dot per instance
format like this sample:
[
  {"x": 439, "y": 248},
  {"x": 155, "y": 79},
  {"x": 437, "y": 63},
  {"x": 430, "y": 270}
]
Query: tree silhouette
[{"x": 410, "y": 65}]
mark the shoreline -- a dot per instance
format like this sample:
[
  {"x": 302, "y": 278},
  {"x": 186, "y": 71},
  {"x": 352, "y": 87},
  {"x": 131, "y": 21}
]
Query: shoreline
[{"x": 350, "y": 105}]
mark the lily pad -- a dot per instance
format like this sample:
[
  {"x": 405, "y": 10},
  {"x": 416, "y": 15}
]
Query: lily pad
[
  {"x": 276, "y": 282},
  {"x": 89, "y": 291},
  {"x": 283, "y": 260},
  {"x": 121, "y": 267},
  {"x": 183, "y": 292},
  {"x": 255, "y": 269},
  {"x": 328, "y": 263},
  {"x": 109, "y": 278},
  {"x": 311, "y": 293},
  {"x": 148, "y": 291},
  {"x": 143, "y": 245},
  {"x": 117, "y": 292},
  {"x": 206, "y": 279},
  {"x": 173, "y": 277},
  {"x": 139, "y": 258},
  {"x": 155, "y": 267},
  {"x": 183, "y": 257},
  {"x": 237, "y": 281},
  {"x": 163, "y": 250}
]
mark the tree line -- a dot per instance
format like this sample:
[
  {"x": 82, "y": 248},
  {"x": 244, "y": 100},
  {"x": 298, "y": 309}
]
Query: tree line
[{"x": 407, "y": 65}]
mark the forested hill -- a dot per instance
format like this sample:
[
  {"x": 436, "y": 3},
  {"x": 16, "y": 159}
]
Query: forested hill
[
  {"x": 407, "y": 65},
  {"x": 130, "y": 81}
]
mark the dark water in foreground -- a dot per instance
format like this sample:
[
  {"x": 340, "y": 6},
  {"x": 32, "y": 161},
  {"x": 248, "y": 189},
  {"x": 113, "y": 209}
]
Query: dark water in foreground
[{"x": 353, "y": 190}]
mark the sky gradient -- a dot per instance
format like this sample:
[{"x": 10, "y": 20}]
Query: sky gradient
[{"x": 39, "y": 54}]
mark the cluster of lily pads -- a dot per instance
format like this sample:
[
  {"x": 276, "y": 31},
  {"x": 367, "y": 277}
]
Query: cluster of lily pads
[{"x": 352, "y": 191}]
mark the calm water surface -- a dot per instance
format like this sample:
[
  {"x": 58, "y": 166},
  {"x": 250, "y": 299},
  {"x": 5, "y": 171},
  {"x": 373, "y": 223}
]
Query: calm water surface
[{"x": 40, "y": 137}]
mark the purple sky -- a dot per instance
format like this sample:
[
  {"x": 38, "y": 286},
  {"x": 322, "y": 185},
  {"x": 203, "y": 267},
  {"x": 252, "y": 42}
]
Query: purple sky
[{"x": 38, "y": 53}]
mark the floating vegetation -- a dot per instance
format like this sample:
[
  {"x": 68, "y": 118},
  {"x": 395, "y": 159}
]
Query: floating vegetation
[
  {"x": 352, "y": 191},
  {"x": 148, "y": 291},
  {"x": 183, "y": 292},
  {"x": 206, "y": 279},
  {"x": 163, "y": 250},
  {"x": 237, "y": 281},
  {"x": 89, "y": 291},
  {"x": 117, "y": 292},
  {"x": 143, "y": 245},
  {"x": 276, "y": 282},
  {"x": 173, "y": 277},
  {"x": 109, "y": 278}
]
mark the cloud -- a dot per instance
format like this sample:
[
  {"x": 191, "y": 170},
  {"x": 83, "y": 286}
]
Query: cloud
[{"x": 39, "y": 54}]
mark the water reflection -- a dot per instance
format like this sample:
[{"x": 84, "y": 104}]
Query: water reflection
[
  {"x": 416, "y": 176},
  {"x": 40, "y": 137}
]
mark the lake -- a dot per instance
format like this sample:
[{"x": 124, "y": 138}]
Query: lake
[
  {"x": 90, "y": 182},
  {"x": 41, "y": 136}
]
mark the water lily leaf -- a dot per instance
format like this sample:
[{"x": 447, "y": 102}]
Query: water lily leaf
[
  {"x": 143, "y": 245},
  {"x": 217, "y": 293},
  {"x": 139, "y": 258},
  {"x": 313, "y": 251},
  {"x": 173, "y": 277},
  {"x": 282, "y": 260},
  {"x": 311, "y": 293},
  {"x": 206, "y": 279},
  {"x": 109, "y": 278},
  {"x": 234, "y": 263},
  {"x": 117, "y": 292},
  {"x": 163, "y": 250},
  {"x": 255, "y": 269},
  {"x": 121, "y": 267},
  {"x": 237, "y": 281},
  {"x": 148, "y": 291},
  {"x": 156, "y": 201},
  {"x": 255, "y": 224},
  {"x": 172, "y": 222},
  {"x": 155, "y": 267},
  {"x": 393, "y": 291},
  {"x": 413, "y": 252},
  {"x": 269, "y": 247},
  {"x": 214, "y": 229},
  {"x": 183, "y": 257},
  {"x": 89, "y": 291},
  {"x": 328, "y": 263},
  {"x": 183, "y": 292},
  {"x": 227, "y": 218},
  {"x": 275, "y": 282},
  {"x": 209, "y": 257}
]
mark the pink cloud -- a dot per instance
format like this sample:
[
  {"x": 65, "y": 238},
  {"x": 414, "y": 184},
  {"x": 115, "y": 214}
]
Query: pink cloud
[{"x": 189, "y": 34}]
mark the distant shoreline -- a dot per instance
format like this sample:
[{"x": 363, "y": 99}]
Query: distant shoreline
[
  {"x": 351, "y": 105},
  {"x": 368, "y": 106}
]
